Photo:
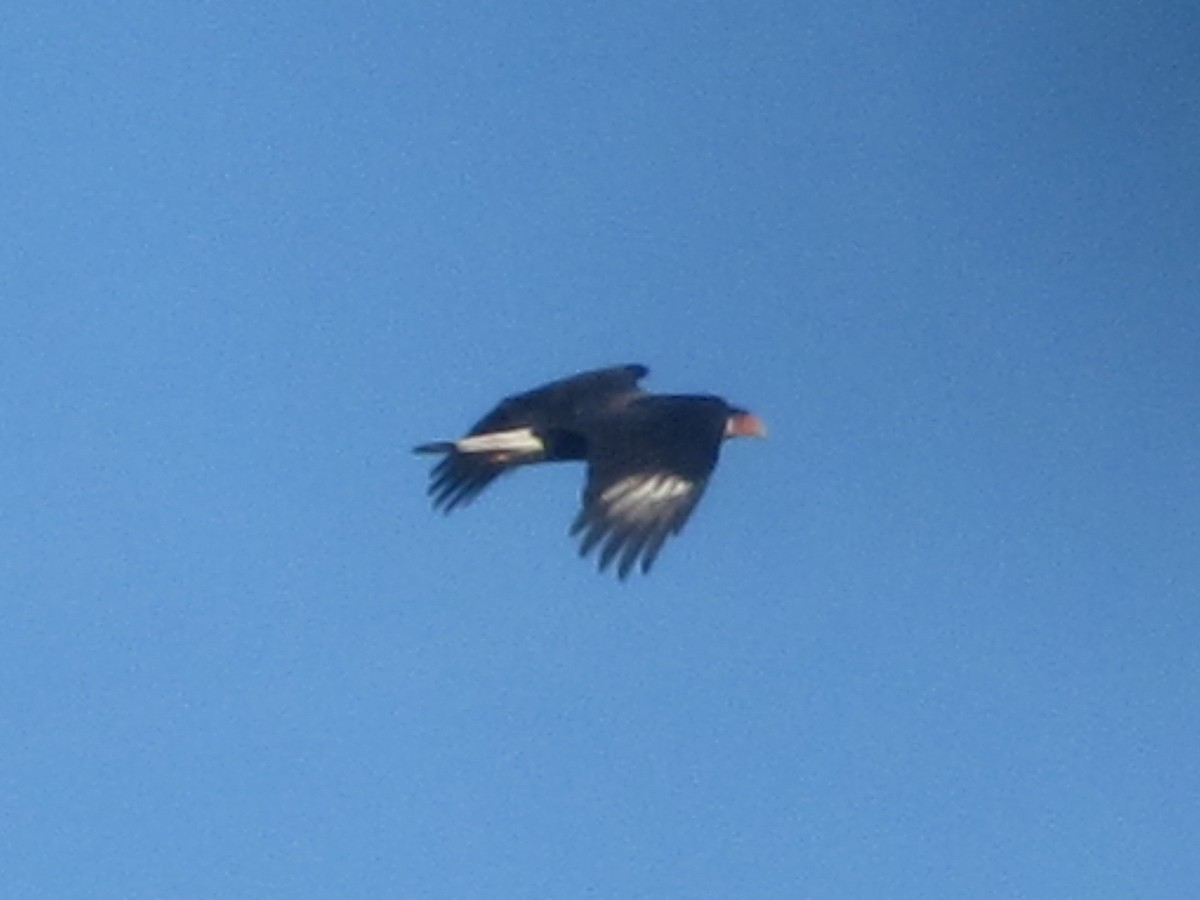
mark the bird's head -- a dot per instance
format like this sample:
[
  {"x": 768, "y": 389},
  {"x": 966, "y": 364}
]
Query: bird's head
[{"x": 742, "y": 423}]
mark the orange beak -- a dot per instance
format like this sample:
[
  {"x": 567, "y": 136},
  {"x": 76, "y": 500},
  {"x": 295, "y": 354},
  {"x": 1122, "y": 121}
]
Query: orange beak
[{"x": 745, "y": 425}]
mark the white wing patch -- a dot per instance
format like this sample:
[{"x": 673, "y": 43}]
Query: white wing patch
[
  {"x": 630, "y": 520},
  {"x": 640, "y": 495}
]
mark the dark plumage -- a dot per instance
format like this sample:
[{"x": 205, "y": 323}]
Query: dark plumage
[{"x": 649, "y": 456}]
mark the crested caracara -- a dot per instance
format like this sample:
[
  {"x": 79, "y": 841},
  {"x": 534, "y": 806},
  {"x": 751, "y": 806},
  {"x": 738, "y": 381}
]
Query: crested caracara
[{"x": 648, "y": 456}]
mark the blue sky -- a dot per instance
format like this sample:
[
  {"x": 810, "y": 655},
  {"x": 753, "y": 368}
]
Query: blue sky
[{"x": 936, "y": 638}]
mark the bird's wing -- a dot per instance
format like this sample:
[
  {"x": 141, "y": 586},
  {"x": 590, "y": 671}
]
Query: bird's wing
[
  {"x": 528, "y": 427},
  {"x": 647, "y": 470}
]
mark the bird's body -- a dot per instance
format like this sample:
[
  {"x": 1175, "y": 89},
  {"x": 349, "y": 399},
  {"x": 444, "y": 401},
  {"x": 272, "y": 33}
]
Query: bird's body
[{"x": 649, "y": 456}]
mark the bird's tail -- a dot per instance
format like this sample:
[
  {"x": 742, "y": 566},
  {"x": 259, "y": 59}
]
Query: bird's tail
[
  {"x": 512, "y": 442},
  {"x": 435, "y": 447}
]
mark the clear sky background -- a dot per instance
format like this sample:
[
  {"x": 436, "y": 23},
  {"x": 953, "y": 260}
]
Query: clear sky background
[{"x": 938, "y": 637}]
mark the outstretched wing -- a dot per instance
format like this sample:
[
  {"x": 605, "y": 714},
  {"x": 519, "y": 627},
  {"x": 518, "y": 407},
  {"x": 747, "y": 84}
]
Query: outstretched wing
[
  {"x": 541, "y": 424},
  {"x": 647, "y": 470}
]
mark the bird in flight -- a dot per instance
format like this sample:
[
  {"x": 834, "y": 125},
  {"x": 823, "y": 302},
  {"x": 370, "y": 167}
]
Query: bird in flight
[{"x": 649, "y": 456}]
